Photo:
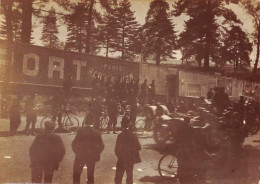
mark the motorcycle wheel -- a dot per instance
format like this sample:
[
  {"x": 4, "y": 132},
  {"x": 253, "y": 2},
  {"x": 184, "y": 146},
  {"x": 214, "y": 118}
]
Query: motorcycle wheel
[
  {"x": 254, "y": 129},
  {"x": 160, "y": 135}
]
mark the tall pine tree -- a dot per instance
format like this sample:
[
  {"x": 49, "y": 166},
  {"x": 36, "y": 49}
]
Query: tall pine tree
[
  {"x": 108, "y": 32},
  {"x": 236, "y": 48},
  {"x": 16, "y": 23},
  {"x": 201, "y": 35},
  {"x": 159, "y": 32},
  {"x": 253, "y": 9},
  {"x": 77, "y": 22},
  {"x": 50, "y": 30},
  {"x": 76, "y": 26},
  {"x": 127, "y": 29}
]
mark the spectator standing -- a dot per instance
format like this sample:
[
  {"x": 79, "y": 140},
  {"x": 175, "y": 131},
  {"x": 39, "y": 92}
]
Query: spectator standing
[
  {"x": 15, "y": 115},
  {"x": 31, "y": 114},
  {"x": 87, "y": 146},
  {"x": 210, "y": 94},
  {"x": 220, "y": 100},
  {"x": 112, "y": 112},
  {"x": 170, "y": 106},
  {"x": 151, "y": 92},
  {"x": 46, "y": 153},
  {"x": 143, "y": 92},
  {"x": 127, "y": 151},
  {"x": 67, "y": 87},
  {"x": 57, "y": 103}
]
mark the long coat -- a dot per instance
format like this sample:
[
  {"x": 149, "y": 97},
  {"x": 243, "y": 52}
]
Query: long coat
[
  {"x": 128, "y": 147},
  {"x": 88, "y": 144},
  {"x": 47, "y": 150}
]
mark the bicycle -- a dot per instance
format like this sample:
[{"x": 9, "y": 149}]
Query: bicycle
[
  {"x": 69, "y": 121},
  {"x": 91, "y": 118},
  {"x": 193, "y": 163}
]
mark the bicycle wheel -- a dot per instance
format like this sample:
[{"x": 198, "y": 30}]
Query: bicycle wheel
[
  {"x": 168, "y": 166},
  {"x": 44, "y": 119},
  {"x": 104, "y": 122},
  {"x": 254, "y": 128},
  {"x": 71, "y": 122}
]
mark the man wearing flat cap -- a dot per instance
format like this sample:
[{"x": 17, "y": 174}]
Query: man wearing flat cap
[
  {"x": 46, "y": 153},
  {"x": 87, "y": 146},
  {"x": 127, "y": 151}
]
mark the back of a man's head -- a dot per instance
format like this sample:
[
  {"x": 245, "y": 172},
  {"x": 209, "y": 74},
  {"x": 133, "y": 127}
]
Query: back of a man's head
[{"x": 49, "y": 126}]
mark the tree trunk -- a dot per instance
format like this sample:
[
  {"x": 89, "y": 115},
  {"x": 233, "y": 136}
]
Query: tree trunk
[
  {"x": 89, "y": 27},
  {"x": 158, "y": 53},
  {"x": 26, "y": 20},
  {"x": 7, "y": 7},
  {"x": 208, "y": 35},
  {"x": 123, "y": 43},
  {"x": 107, "y": 49},
  {"x": 257, "y": 50}
]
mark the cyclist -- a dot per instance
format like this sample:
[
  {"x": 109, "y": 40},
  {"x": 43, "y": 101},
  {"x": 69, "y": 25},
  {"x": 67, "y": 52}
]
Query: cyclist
[{"x": 150, "y": 115}]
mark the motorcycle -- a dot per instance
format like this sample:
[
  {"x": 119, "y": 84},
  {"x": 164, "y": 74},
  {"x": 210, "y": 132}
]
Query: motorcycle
[{"x": 166, "y": 128}]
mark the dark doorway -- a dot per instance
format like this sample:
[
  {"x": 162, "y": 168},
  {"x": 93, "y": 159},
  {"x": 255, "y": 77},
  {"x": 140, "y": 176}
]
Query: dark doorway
[{"x": 172, "y": 87}]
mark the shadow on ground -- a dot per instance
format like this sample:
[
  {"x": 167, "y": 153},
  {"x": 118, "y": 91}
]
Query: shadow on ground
[{"x": 158, "y": 180}]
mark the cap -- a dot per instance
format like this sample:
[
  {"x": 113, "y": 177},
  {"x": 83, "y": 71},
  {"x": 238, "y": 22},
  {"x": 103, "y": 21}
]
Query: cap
[{"x": 49, "y": 125}]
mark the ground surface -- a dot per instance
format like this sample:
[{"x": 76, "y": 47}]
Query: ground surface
[{"x": 14, "y": 159}]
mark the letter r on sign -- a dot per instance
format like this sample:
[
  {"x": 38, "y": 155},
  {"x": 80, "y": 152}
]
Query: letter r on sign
[{"x": 53, "y": 67}]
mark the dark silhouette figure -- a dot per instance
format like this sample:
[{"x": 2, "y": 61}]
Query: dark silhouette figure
[
  {"x": 170, "y": 106},
  {"x": 210, "y": 94},
  {"x": 112, "y": 112},
  {"x": 15, "y": 115},
  {"x": 151, "y": 92},
  {"x": 127, "y": 151},
  {"x": 46, "y": 153},
  {"x": 31, "y": 114},
  {"x": 57, "y": 104},
  {"x": 143, "y": 92},
  {"x": 67, "y": 87},
  {"x": 220, "y": 100},
  {"x": 87, "y": 146}
]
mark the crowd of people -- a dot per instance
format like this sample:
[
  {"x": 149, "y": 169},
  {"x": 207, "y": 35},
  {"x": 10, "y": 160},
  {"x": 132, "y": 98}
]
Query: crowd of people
[{"x": 48, "y": 150}]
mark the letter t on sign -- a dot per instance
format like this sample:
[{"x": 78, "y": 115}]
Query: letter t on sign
[
  {"x": 79, "y": 64},
  {"x": 53, "y": 67}
]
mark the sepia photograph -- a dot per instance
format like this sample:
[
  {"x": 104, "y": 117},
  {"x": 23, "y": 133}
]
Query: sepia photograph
[{"x": 129, "y": 91}]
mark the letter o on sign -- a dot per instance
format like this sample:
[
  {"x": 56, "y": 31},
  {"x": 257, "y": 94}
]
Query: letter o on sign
[{"x": 26, "y": 70}]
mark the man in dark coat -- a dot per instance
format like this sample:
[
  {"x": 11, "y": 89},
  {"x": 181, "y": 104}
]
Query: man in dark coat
[
  {"x": 151, "y": 92},
  {"x": 87, "y": 146},
  {"x": 15, "y": 115},
  {"x": 112, "y": 112},
  {"x": 127, "y": 151},
  {"x": 46, "y": 153},
  {"x": 31, "y": 114},
  {"x": 220, "y": 100}
]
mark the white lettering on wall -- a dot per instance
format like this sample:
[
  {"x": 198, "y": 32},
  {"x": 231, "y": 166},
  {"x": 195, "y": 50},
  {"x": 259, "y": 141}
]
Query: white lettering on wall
[
  {"x": 53, "y": 66},
  {"x": 35, "y": 70},
  {"x": 79, "y": 64}
]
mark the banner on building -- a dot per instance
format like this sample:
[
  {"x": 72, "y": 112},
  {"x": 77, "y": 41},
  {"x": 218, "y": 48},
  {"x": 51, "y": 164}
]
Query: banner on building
[{"x": 38, "y": 65}]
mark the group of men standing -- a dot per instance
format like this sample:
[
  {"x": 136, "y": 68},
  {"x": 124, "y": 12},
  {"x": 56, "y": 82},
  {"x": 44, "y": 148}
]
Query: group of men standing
[
  {"x": 30, "y": 109},
  {"x": 123, "y": 88},
  {"x": 47, "y": 151}
]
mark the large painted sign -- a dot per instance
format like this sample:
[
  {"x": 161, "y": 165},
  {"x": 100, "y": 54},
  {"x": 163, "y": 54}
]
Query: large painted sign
[{"x": 39, "y": 65}]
